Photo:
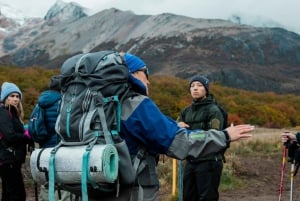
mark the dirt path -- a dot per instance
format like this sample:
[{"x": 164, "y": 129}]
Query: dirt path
[{"x": 263, "y": 178}]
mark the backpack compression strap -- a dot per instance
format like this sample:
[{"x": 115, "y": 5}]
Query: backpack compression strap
[
  {"x": 51, "y": 188},
  {"x": 85, "y": 175},
  {"x": 118, "y": 113},
  {"x": 98, "y": 98},
  {"x": 138, "y": 166}
]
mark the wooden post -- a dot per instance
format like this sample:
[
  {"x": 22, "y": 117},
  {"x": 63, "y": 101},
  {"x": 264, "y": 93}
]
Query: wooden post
[{"x": 174, "y": 178}]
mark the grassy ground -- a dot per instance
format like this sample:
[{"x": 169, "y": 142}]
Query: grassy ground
[{"x": 264, "y": 143}]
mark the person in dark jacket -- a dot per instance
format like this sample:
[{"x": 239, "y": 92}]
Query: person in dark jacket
[
  {"x": 202, "y": 177},
  {"x": 49, "y": 100},
  {"x": 13, "y": 141}
]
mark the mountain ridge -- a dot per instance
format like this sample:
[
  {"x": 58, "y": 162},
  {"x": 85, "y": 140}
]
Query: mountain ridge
[{"x": 235, "y": 55}]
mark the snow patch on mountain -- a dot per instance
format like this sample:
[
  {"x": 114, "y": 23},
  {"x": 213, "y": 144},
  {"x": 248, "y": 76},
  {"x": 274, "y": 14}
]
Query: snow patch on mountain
[
  {"x": 256, "y": 21},
  {"x": 12, "y": 13}
]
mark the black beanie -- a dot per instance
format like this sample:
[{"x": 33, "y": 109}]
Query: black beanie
[{"x": 203, "y": 80}]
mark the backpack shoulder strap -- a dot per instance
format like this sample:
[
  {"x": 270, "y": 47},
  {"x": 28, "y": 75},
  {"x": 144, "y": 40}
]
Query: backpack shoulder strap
[{"x": 98, "y": 98}]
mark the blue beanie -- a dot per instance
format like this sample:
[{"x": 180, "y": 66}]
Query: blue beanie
[
  {"x": 203, "y": 80},
  {"x": 133, "y": 62},
  {"x": 8, "y": 88}
]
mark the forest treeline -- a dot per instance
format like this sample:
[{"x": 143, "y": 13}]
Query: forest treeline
[{"x": 171, "y": 94}]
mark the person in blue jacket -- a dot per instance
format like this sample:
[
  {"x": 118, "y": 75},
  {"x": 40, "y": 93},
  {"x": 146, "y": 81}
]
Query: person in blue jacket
[
  {"x": 143, "y": 124},
  {"x": 49, "y": 100}
]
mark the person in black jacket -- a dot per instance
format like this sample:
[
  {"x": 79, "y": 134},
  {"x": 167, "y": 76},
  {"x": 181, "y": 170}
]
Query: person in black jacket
[
  {"x": 13, "y": 141},
  {"x": 202, "y": 176}
]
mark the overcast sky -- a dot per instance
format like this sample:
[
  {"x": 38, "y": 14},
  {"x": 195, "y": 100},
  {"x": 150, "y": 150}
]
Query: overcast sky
[{"x": 284, "y": 12}]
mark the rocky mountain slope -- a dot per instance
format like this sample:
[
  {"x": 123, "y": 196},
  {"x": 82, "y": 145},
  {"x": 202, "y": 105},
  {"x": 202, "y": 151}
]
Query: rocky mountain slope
[{"x": 240, "y": 56}]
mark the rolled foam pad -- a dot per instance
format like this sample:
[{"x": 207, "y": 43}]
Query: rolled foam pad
[{"x": 103, "y": 164}]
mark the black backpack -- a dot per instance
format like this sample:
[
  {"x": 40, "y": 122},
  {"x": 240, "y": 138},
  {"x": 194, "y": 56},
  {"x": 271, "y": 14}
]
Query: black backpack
[{"x": 93, "y": 88}]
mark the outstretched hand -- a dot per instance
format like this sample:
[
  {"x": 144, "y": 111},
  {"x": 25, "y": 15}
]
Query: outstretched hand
[{"x": 239, "y": 131}]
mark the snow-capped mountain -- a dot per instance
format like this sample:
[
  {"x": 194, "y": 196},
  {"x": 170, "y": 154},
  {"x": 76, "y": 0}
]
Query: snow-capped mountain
[
  {"x": 10, "y": 18},
  {"x": 17, "y": 31},
  {"x": 65, "y": 11},
  {"x": 232, "y": 54},
  {"x": 12, "y": 13}
]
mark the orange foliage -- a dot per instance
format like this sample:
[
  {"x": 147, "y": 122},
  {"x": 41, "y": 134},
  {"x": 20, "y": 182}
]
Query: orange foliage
[
  {"x": 235, "y": 119},
  {"x": 171, "y": 94}
]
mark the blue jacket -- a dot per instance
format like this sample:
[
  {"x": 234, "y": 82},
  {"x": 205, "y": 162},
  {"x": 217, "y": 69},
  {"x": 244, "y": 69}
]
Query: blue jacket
[
  {"x": 49, "y": 100},
  {"x": 143, "y": 124}
]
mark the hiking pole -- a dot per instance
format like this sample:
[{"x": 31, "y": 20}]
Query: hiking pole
[
  {"x": 296, "y": 169},
  {"x": 297, "y": 162},
  {"x": 292, "y": 179},
  {"x": 297, "y": 157},
  {"x": 292, "y": 147},
  {"x": 282, "y": 170}
]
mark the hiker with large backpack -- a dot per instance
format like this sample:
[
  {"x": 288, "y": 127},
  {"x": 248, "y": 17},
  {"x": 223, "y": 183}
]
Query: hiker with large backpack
[
  {"x": 41, "y": 127},
  {"x": 13, "y": 142},
  {"x": 104, "y": 108},
  {"x": 202, "y": 176}
]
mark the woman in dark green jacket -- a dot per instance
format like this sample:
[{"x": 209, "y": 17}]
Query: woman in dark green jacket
[{"x": 202, "y": 176}]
